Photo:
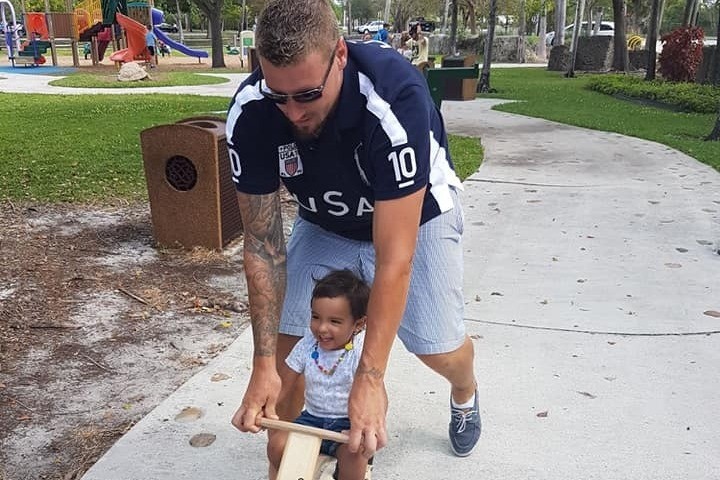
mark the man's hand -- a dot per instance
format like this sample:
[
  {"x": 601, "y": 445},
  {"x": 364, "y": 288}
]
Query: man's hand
[
  {"x": 259, "y": 401},
  {"x": 367, "y": 409}
]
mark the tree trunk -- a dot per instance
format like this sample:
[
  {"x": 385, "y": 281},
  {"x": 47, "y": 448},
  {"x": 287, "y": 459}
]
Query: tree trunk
[
  {"x": 212, "y": 9},
  {"x": 715, "y": 134},
  {"x": 651, "y": 43},
  {"x": 522, "y": 27},
  {"x": 560, "y": 7},
  {"x": 714, "y": 77},
  {"x": 620, "y": 51},
  {"x": 348, "y": 6},
  {"x": 218, "y": 49},
  {"x": 542, "y": 46},
  {"x": 484, "y": 83},
  {"x": 179, "y": 21},
  {"x": 446, "y": 11},
  {"x": 453, "y": 27},
  {"x": 472, "y": 18},
  {"x": 688, "y": 12},
  {"x": 579, "y": 12}
]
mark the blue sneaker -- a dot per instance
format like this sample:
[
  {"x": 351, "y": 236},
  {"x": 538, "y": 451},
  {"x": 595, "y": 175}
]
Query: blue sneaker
[{"x": 465, "y": 428}]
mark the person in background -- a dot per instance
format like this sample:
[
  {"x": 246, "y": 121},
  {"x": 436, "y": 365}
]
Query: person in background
[
  {"x": 86, "y": 49},
  {"x": 405, "y": 46},
  {"x": 150, "y": 43},
  {"x": 164, "y": 49},
  {"x": 382, "y": 34},
  {"x": 419, "y": 46}
]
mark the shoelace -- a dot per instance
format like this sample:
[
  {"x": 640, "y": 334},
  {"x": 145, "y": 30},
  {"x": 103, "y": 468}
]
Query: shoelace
[{"x": 461, "y": 417}]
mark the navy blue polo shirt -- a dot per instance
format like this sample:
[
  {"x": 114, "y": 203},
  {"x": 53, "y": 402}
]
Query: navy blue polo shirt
[{"x": 384, "y": 140}]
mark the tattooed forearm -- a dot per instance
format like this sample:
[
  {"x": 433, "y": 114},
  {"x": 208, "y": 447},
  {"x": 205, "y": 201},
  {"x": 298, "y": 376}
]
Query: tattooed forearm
[
  {"x": 265, "y": 266},
  {"x": 371, "y": 372}
]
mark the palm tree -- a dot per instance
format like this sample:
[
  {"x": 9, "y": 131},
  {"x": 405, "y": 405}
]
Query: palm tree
[
  {"x": 579, "y": 12},
  {"x": 620, "y": 56},
  {"x": 714, "y": 77},
  {"x": 484, "y": 83},
  {"x": 651, "y": 43}
]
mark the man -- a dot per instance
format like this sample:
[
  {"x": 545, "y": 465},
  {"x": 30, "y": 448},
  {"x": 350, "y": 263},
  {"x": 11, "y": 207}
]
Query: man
[
  {"x": 352, "y": 132},
  {"x": 383, "y": 34}
]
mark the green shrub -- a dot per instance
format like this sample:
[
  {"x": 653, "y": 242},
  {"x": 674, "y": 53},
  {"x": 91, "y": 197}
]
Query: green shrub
[{"x": 690, "y": 97}]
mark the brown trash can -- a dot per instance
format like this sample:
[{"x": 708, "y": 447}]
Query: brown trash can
[
  {"x": 192, "y": 195},
  {"x": 455, "y": 88}
]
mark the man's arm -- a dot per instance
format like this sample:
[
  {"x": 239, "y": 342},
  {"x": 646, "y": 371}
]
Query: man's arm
[
  {"x": 264, "y": 258},
  {"x": 395, "y": 228}
]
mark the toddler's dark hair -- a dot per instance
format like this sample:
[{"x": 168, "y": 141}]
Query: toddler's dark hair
[{"x": 344, "y": 283}]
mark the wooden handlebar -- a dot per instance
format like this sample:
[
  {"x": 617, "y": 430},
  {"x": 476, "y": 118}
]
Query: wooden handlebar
[{"x": 296, "y": 427}]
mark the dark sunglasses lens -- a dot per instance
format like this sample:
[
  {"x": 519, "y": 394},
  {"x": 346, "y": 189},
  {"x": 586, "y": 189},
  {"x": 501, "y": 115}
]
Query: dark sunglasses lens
[
  {"x": 309, "y": 96},
  {"x": 274, "y": 97}
]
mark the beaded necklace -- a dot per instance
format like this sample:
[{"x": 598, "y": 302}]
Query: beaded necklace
[{"x": 329, "y": 371}]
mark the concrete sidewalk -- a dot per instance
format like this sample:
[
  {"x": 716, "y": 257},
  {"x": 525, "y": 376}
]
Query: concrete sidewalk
[
  {"x": 590, "y": 263},
  {"x": 591, "y": 283},
  {"x": 26, "y": 83}
]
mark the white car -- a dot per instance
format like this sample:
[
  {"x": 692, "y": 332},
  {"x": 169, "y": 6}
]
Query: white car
[
  {"x": 607, "y": 29},
  {"x": 371, "y": 27}
]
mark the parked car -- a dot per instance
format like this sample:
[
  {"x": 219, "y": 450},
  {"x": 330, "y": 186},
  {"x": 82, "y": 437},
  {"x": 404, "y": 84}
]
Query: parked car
[
  {"x": 425, "y": 25},
  {"x": 607, "y": 29},
  {"x": 371, "y": 27},
  {"x": 166, "y": 27}
]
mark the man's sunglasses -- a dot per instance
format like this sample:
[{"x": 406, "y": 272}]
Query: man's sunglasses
[{"x": 300, "y": 97}]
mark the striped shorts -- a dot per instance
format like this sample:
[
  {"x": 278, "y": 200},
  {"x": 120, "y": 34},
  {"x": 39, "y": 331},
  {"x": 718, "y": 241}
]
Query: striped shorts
[{"x": 433, "y": 318}]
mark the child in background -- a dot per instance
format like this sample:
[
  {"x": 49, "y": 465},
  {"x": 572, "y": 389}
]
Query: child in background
[
  {"x": 328, "y": 356},
  {"x": 150, "y": 42},
  {"x": 164, "y": 49}
]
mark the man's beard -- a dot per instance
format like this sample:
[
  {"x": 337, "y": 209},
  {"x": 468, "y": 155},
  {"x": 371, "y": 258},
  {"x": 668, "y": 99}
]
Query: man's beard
[{"x": 306, "y": 135}]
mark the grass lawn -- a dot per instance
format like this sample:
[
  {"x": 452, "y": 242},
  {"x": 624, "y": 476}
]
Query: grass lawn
[
  {"x": 157, "y": 78},
  {"x": 466, "y": 153},
  {"x": 86, "y": 148},
  {"x": 549, "y": 95}
]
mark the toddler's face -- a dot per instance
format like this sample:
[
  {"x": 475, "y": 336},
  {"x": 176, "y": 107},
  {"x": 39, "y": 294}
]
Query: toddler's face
[{"x": 331, "y": 322}]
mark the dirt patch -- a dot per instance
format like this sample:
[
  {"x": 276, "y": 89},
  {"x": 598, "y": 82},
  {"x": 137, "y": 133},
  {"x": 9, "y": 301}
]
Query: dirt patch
[{"x": 97, "y": 326}]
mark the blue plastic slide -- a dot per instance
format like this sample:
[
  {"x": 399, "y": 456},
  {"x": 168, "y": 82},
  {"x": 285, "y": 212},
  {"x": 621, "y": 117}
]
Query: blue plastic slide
[
  {"x": 157, "y": 18},
  {"x": 178, "y": 46}
]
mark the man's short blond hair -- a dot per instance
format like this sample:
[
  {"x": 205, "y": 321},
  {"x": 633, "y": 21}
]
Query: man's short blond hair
[{"x": 288, "y": 30}]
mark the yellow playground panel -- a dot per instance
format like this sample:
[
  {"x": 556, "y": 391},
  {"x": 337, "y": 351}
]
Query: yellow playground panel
[{"x": 87, "y": 14}]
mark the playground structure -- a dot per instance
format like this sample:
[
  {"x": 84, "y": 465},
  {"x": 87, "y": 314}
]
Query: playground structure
[
  {"x": 91, "y": 21},
  {"x": 29, "y": 51},
  {"x": 139, "y": 16},
  {"x": 11, "y": 35}
]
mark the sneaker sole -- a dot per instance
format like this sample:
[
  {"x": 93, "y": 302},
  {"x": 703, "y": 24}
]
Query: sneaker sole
[{"x": 461, "y": 455}]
